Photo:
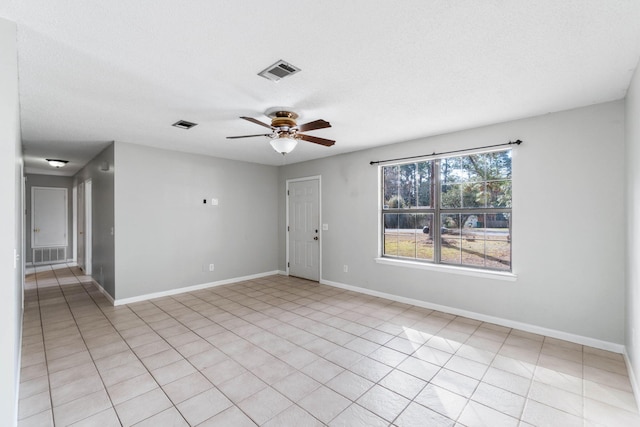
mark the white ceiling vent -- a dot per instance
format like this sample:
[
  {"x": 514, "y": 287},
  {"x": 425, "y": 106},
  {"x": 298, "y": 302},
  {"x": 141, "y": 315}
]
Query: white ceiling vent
[{"x": 278, "y": 71}]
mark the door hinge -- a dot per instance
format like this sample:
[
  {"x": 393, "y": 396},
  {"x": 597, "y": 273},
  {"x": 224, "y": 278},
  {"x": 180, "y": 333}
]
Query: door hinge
[
  {"x": 288, "y": 192},
  {"x": 288, "y": 265},
  {"x": 288, "y": 229}
]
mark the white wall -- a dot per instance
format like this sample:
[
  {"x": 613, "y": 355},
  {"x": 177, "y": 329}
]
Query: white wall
[
  {"x": 102, "y": 217},
  {"x": 632, "y": 128},
  {"x": 568, "y": 224},
  {"x": 164, "y": 235},
  {"x": 10, "y": 226}
]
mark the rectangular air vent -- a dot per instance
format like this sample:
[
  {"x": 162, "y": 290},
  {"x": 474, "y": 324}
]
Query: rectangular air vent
[
  {"x": 49, "y": 255},
  {"x": 279, "y": 70},
  {"x": 183, "y": 124}
]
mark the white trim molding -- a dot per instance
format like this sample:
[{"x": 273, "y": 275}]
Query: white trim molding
[
  {"x": 104, "y": 292},
  {"x": 553, "y": 333},
  {"x": 635, "y": 386},
  {"x": 176, "y": 291},
  {"x": 489, "y": 274}
]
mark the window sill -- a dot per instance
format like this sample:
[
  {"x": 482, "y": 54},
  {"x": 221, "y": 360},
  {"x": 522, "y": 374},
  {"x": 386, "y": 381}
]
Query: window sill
[{"x": 487, "y": 274}]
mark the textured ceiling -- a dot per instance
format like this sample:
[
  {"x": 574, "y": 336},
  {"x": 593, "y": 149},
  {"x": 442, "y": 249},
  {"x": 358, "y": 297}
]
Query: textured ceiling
[{"x": 380, "y": 71}]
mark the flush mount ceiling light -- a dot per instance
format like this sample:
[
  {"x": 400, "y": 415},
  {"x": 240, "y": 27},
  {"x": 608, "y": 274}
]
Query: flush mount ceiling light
[{"x": 57, "y": 163}]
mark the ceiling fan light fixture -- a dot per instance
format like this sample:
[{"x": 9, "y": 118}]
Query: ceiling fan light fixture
[
  {"x": 284, "y": 144},
  {"x": 57, "y": 163}
]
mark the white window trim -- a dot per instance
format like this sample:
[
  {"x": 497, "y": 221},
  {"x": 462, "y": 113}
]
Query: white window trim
[{"x": 444, "y": 268}]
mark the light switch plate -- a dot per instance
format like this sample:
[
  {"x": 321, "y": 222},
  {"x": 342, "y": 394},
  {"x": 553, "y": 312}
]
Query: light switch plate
[{"x": 325, "y": 227}]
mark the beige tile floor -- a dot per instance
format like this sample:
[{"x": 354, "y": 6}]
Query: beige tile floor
[{"x": 281, "y": 351}]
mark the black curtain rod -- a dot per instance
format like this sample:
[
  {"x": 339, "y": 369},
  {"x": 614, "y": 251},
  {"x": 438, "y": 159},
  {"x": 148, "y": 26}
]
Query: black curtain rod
[{"x": 516, "y": 142}]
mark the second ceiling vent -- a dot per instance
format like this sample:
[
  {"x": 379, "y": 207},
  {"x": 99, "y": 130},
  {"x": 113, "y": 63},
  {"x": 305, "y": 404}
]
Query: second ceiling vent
[{"x": 279, "y": 70}]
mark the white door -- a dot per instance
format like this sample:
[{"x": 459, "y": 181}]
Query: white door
[
  {"x": 48, "y": 217},
  {"x": 80, "y": 235},
  {"x": 304, "y": 231}
]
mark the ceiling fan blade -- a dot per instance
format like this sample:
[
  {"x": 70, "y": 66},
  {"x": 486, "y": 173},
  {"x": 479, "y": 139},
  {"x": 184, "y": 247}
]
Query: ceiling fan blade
[
  {"x": 258, "y": 122},
  {"x": 317, "y": 124},
  {"x": 316, "y": 140},
  {"x": 248, "y": 136}
]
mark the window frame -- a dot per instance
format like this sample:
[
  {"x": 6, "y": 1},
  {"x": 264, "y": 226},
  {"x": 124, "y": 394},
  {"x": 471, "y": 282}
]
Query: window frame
[{"x": 437, "y": 213}]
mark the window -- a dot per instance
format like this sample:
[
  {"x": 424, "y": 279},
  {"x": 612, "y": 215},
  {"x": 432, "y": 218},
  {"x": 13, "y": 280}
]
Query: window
[{"x": 454, "y": 210}]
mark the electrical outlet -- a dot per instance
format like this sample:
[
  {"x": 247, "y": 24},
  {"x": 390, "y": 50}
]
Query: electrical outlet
[
  {"x": 345, "y": 268},
  {"x": 211, "y": 267}
]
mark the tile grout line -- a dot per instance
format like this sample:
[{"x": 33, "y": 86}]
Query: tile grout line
[
  {"x": 81, "y": 285},
  {"x": 299, "y": 307}
]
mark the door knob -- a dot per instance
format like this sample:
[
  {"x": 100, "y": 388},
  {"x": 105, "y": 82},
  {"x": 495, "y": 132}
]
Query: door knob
[{"x": 315, "y": 238}]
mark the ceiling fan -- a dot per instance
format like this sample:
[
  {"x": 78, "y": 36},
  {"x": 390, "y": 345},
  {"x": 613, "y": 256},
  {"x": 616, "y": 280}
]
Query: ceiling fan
[{"x": 286, "y": 132}]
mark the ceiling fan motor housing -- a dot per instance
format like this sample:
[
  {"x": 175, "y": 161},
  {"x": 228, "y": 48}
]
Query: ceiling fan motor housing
[{"x": 283, "y": 119}]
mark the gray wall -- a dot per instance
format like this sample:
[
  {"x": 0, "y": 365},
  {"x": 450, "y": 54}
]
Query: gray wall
[
  {"x": 570, "y": 277},
  {"x": 633, "y": 229},
  {"x": 11, "y": 274},
  {"x": 165, "y": 237},
  {"x": 34, "y": 180},
  {"x": 102, "y": 217}
]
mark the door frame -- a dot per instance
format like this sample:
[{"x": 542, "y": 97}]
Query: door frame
[
  {"x": 74, "y": 225},
  {"x": 88, "y": 236},
  {"x": 80, "y": 252},
  {"x": 286, "y": 226}
]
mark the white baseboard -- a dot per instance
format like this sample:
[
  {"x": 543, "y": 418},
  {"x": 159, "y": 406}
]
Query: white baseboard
[
  {"x": 104, "y": 292},
  {"x": 578, "y": 339},
  {"x": 632, "y": 378},
  {"x": 192, "y": 288}
]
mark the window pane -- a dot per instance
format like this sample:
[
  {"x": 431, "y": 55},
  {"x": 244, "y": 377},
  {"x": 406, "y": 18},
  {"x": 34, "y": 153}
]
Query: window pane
[
  {"x": 474, "y": 167},
  {"x": 499, "y": 194},
  {"x": 390, "y": 182},
  {"x": 424, "y": 236},
  {"x": 407, "y": 235},
  {"x": 498, "y": 254},
  {"x": 390, "y": 234},
  {"x": 498, "y": 241},
  {"x": 407, "y": 186},
  {"x": 473, "y": 240},
  {"x": 474, "y": 195},
  {"x": 451, "y": 196},
  {"x": 498, "y": 165},
  {"x": 473, "y": 252},
  {"x": 425, "y": 185},
  {"x": 498, "y": 226},
  {"x": 451, "y": 171},
  {"x": 450, "y": 238},
  {"x": 472, "y": 225}
]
